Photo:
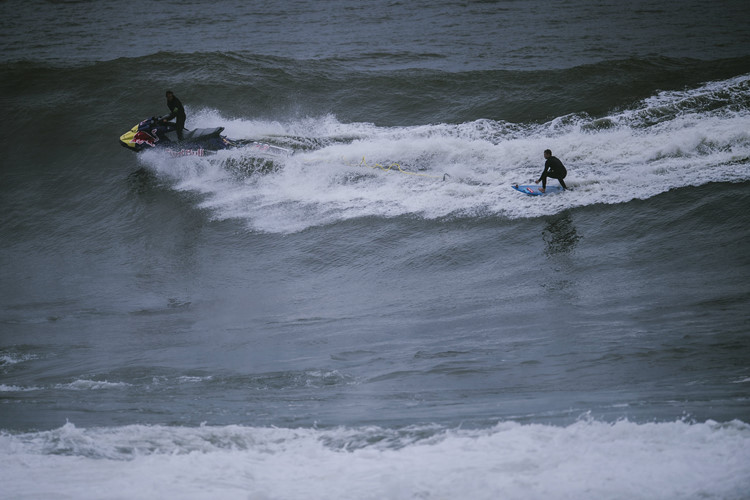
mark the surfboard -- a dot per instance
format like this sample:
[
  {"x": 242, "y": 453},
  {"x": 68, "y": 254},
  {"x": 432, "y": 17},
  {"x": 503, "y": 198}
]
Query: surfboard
[{"x": 534, "y": 189}]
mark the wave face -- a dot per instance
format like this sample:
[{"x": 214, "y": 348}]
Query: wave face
[
  {"x": 378, "y": 314},
  {"x": 453, "y": 155},
  {"x": 670, "y": 140}
]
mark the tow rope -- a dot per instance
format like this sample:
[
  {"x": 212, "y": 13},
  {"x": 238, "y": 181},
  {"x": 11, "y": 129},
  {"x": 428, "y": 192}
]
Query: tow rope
[{"x": 395, "y": 167}]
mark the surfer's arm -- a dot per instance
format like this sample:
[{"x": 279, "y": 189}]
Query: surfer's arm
[{"x": 543, "y": 174}]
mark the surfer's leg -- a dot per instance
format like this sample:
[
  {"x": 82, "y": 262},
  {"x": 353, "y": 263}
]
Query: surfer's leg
[{"x": 180, "y": 126}]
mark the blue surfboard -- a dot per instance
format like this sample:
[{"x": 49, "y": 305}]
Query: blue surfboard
[{"x": 534, "y": 189}]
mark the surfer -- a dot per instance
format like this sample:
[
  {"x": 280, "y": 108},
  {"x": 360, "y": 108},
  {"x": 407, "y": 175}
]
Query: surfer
[
  {"x": 176, "y": 110},
  {"x": 553, "y": 168}
]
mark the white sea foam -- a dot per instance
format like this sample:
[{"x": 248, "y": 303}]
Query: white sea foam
[
  {"x": 7, "y": 359},
  {"x": 85, "y": 385},
  {"x": 16, "y": 388},
  {"x": 587, "y": 459},
  {"x": 669, "y": 141},
  {"x": 76, "y": 385}
]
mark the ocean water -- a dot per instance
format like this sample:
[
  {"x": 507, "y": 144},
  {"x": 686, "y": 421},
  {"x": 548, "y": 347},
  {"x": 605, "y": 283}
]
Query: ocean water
[{"x": 377, "y": 315}]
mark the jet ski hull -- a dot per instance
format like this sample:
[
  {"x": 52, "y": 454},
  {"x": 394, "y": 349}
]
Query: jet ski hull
[{"x": 153, "y": 133}]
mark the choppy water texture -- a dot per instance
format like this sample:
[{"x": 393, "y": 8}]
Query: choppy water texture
[{"x": 377, "y": 315}]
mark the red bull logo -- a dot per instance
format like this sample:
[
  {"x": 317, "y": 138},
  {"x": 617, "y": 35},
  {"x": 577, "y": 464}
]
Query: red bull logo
[
  {"x": 187, "y": 152},
  {"x": 143, "y": 137}
]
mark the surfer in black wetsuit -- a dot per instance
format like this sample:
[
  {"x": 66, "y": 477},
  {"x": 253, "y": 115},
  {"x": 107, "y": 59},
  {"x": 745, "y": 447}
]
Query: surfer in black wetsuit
[
  {"x": 553, "y": 168},
  {"x": 176, "y": 110}
]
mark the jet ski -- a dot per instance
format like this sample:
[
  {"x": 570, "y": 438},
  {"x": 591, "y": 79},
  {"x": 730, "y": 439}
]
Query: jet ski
[{"x": 154, "y": 132}]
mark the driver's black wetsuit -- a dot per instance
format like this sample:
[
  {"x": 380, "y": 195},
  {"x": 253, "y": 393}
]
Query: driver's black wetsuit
[
  {"x": 553, "y": 168},
  {"x": 177, "y": 110}
]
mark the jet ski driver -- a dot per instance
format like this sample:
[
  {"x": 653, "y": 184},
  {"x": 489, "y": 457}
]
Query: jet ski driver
[{"x": 176, "y": 110}]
